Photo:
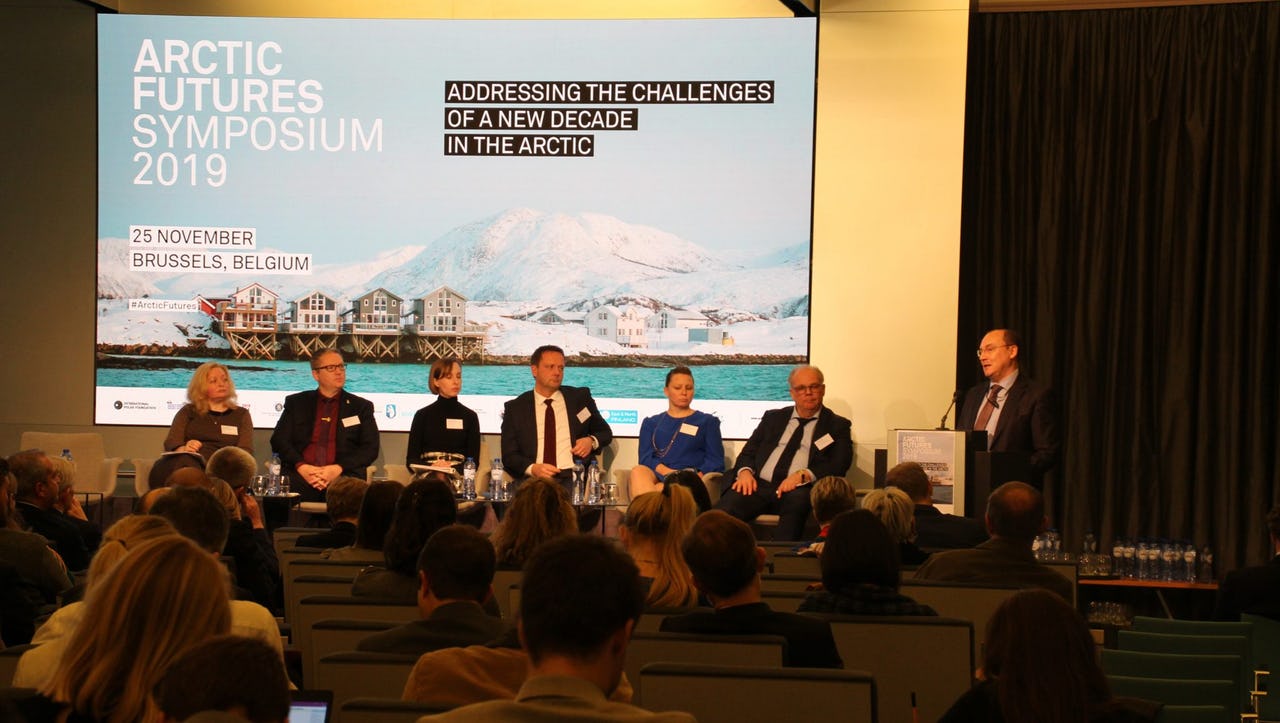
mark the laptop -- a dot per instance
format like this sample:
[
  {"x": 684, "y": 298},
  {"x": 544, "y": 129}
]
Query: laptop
[{"x": 310, "y": 706}]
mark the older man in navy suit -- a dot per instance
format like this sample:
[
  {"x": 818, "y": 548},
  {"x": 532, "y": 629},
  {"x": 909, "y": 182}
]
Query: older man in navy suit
[
  {"x": 545, "y": 430},
  {"x": 789, "y": 449},
  {"x": 1017, "y": 413}
]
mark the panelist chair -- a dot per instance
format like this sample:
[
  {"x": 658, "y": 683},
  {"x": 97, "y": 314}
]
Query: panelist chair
[{"x": 95, "y": 471}]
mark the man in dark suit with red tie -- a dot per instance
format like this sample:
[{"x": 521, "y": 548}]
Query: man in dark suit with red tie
[
  {"x": 789, "y": 449},
  {"x": 1017, "y": 413},
  {"x": 326, "y": 432},
  {"x": 547, "y": 428}
]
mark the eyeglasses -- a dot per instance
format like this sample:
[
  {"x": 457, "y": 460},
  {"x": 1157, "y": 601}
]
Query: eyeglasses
[
  {"x": 330, "y": 368},
  {"x": 990, "y": 348},
  {"x": 808, "y": 388}
]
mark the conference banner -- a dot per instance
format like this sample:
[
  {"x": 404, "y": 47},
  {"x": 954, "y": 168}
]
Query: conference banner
[{"x": 638, "y": 193}]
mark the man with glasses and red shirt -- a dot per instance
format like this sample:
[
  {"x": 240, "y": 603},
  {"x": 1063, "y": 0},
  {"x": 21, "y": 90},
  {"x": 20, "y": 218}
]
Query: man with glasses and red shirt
[
  {"x": 326, "y": 432},
  {"x": 1017, "y": 413},
  {"x": 789, "y": 449}
]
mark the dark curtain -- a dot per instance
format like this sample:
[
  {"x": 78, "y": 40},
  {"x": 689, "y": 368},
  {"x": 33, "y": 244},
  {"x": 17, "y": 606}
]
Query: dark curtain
[{"x": 1122, "y": 211}]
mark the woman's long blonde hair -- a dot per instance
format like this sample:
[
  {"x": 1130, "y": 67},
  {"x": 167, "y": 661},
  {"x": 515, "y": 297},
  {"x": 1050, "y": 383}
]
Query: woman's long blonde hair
[
  {"x": 539, "y": 512},
  {"x": 126, "y": 535},
  {"x": 661, "y": 520},
  {"x": 161, "y": 599},
  {"x": 195, "y": 388}
]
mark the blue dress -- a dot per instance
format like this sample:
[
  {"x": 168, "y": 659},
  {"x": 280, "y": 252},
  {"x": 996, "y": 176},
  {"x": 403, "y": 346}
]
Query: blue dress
[{"x": 664, "y": 440}]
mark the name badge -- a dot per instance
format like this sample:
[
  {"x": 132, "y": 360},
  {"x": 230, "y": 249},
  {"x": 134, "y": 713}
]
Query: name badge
[
  {"x": 453, "y": 424},
  {"x": 231, "y": 429},
  {"x": 823, "y": 442},
  {"x": 688, "y": 429},
  {"x": 351, "y": 421},
  {"x": 584, "y": 414}
]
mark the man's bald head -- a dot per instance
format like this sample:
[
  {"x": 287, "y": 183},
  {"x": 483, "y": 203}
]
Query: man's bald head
[{"x": 1015, "y": 511}]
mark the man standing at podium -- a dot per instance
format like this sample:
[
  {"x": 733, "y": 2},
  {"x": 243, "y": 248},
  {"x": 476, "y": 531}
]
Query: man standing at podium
[{"x": 1017, "y": 413}]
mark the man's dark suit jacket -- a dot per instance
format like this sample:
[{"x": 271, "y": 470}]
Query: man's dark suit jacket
[
  {"x": 453, "y": 625},
  {"x": 834, "y": 459},
  {"x": 1028, "y": 423},
  {"x": 342, "y": 534},
  {"x": 936, "y": 531},
  {"x": 809, "y": 640},
  {"x": 356, "y": 446},
  {"x": 1250, "y": 590},
  {"x": 520, "y": 427},
  {"x": 58, "y": 529}
]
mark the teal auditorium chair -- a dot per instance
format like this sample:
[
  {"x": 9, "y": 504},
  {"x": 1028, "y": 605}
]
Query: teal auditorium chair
[
  {"x": 733, "y": 693},
  {"x": 1234, "y": 645},
  {"x": 1170, "y": 691},
  {"x": 1266, "y": 656}
]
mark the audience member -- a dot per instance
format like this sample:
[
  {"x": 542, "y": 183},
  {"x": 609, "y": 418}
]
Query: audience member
[
  {"x": 831, "y": 495},
  {"x": 189, "y": 477},
  {"x": 1015, "y": 515},
  {"x": 342, "y": 501},
  {"x": 37, "y": 666},
  {"x": 785, "y": 454},
  {"x": 225, "y": 673},
  {"x": 1040, "y": 664},
  {"x": 197, "y": 515},
  {"x": 210, "y": 420},
  {"x": 894, "y": 509},
  {"x": 425, "y": 506},
  {"x": 171, "y": 462},
  {"x": 934, "y": 530},
  {"x": 147, "y": 501},
  {"x": 860, "y": 571},
  {"x": 1253, "y": 590},
  {"x": 245, "y": 541},
  {"x": 376, "y": 510},
  {"x": 654, "y": 526},
  {"x": 232, "y": 465},
  {"x": 29, "y": 553},
  {"x": 538, "y": 512},
  {"x": 455, "y": 575},
  {"x": 37, "y": 492},
  {"x": 162, "y": 599},
  {"x": 68, "y": 504},
  {"x": 580, "y": 599},
  {"x": 726, "y": 564}
]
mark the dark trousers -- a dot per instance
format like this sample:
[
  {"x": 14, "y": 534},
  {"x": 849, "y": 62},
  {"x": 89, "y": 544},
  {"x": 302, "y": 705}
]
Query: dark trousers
[{"x": 792, "y": 508}]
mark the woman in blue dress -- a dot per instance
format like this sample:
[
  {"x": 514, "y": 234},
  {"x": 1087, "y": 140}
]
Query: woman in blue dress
[{"x": 679, "y": 439}]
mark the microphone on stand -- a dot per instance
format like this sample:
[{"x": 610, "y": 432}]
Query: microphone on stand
[{"x": 955, "y": 399}]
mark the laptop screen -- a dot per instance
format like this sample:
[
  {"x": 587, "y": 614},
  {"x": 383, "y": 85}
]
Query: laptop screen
[{"x": 310, "y": 706}]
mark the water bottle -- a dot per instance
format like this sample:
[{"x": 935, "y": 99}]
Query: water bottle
[
  {"x": 1055, "y": 545},
  {"x": 1206, "y": 565},
  {"x": 1038, "y": 546},
  {"x": 273, "y": 469},
  {"x": 579, "y": 482},
  {"x": 497, "y": 483},
  {"x": 66, "y": 454},
  {"x": 1144, "y": 563},
  {"x": 469, "y": 479},
  {"x": 1189, "y": 562},
  {"x": 1168, "y": 561},
  {"x": 593, "y": 483}
]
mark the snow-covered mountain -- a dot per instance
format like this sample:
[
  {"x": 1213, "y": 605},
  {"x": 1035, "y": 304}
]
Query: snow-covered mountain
[
  {"x": 528, "y": 255},
  {"x": 525, "y": 258}
]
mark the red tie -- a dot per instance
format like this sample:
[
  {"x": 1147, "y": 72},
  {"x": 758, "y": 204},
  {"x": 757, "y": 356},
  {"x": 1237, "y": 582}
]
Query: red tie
[
  {"x": 984, "y": 415},
  {"x": 549, "y": 436}
]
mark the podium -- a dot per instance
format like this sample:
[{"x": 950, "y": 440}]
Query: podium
[{"x": 961, "y": 469}]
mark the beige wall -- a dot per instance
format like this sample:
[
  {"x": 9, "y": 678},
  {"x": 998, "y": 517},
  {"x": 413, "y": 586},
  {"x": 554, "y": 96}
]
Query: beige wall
[{"x": 886, "y": 208}]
